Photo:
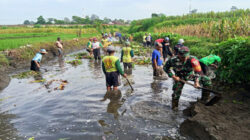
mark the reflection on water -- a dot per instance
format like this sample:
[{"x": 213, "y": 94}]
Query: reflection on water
[
  {"x": 115, "y": 102},
  {"x": 61, "y": 64},
  {"x": 96, "y": 68},
  {"x": 77, "y": 113}
]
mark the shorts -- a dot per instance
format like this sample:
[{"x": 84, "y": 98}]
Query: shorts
[
  {"x": 60, "y": 52},
  {"x": 165, "y": 54},
  {"x": 33, "y": 66},
  {"x": 112, "y": 79},
  {"x": 127, "y": 65},
  {"x": 158, "y": 72}
]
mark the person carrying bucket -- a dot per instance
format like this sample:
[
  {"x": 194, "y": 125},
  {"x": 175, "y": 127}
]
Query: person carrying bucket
[
  {"x": 126, "y": 57},
  {"x": 112, "y": 69},
  {"x": 36, "y": 61},
  {"x": 96, "y": 46},
  {"x": 186, "y": 67}
]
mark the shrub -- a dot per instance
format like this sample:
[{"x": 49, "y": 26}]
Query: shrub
[{"x": 235, "y": 67}]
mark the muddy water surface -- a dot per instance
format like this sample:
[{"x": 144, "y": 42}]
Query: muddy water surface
[{"x": 30, "y": 109}]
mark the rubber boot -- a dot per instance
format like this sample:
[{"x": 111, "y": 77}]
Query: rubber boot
[
  {"x": 175, "y": 104},
  {"x": 204, "y": 96}
]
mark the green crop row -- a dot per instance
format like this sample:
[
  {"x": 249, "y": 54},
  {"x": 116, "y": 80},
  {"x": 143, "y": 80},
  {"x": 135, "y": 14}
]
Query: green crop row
[{"x": 25, "y": 39}]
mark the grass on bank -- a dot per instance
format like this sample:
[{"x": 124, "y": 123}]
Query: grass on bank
[{"x": 12, "y": 41}]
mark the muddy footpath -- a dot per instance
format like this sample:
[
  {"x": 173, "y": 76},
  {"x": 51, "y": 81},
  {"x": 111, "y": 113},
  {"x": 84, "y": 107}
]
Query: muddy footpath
[{"x": 30, "y": 109}]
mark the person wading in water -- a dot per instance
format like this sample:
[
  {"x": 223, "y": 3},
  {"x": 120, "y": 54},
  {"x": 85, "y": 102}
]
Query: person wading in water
[
  {"x": 59, "y": 46},
  {"x": 36, "y": 61},
  {"x": 186, "y": 67},
  {"x": 126, "y": 57},
  {"x": 111, "y": 68},
  {"x": 96, "y": 46}
]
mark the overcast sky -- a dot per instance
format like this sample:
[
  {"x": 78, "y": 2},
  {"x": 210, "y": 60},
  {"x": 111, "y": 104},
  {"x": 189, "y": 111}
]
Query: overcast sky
[{"x": 16, "y": 11}]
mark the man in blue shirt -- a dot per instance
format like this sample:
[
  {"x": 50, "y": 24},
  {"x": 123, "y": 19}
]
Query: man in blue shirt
[
  {"x": 157, "y": 62},
  {"x": 35, "y": 62}
]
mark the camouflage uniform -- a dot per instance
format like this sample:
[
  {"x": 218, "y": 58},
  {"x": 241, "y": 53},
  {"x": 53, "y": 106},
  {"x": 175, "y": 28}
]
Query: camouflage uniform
[{"x": 189, "y": 70}]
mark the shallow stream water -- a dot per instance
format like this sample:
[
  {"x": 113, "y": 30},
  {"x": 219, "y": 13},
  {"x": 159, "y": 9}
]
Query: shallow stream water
[{"x": 30, "y": 109}]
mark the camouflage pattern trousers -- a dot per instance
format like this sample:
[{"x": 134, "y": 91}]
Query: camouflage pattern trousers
[{"x": 178, "y": 86}]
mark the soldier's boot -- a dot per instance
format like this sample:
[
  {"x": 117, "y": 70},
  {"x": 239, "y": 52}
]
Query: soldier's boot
[
  {"x": 175, "y": 103},
  {"x": 205, "y": 96}
]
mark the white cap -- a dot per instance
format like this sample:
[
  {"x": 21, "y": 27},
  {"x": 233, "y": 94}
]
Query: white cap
[{"x": 181, "y": 41}]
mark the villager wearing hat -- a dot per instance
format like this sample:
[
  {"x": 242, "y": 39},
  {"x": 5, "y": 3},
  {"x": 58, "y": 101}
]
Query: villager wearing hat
[
  {"x": 127, "y": 54},
  {"x": 96, "y": 46},
  {"x": 36, "y": 61},
  {"x": 157, "y": 62},
  {"x": 186, "y": 67},
  {"x": 112, "y": 69}
]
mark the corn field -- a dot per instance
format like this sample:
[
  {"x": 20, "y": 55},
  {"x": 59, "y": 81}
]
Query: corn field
[{"x": 218, "y": 30}]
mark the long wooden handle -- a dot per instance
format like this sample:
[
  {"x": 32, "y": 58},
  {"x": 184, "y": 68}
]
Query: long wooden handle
[
  {"x": 215, "y": 92},
  {"x": 130, "y": 84}
]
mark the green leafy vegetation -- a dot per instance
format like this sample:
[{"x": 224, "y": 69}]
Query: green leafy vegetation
[
  {"x": 26, "y": 74},
  {"x": 218, "y": 26},
  {"x": 235, "y": 55},
  {"x": 3, "y": 60},
  {"x": 74, "y": 62}
]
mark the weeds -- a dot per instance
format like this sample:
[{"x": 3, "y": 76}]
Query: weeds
[
  {"x": 74, "y": 62},
  {"x": 26, "y": 74}
]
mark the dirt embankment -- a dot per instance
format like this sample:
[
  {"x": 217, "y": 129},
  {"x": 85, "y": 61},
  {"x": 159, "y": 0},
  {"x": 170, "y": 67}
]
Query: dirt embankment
[
  {"x": 227, "y": 120},
  {"x": 20, "y": 58}
]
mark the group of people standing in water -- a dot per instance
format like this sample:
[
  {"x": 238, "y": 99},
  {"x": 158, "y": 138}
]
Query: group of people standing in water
[{"x": 176, "y": 63}]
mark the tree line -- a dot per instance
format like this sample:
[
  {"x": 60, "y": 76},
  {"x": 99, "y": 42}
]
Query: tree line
[{"x": 77, "y": 20}]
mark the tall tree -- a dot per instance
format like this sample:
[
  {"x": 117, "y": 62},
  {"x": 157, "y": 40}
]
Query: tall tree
[
  {"x": 94, "y": 17},
  {"x": 50, "y": 20},
  {"x": 26, "y": 22},
  {"x": 40, "y": 20},
  {"x": 66, "y": 20},
  {"x": 77, "y": 20},
  {"x": 154, "y": 15},
  {"x": 234, "y": 8},
  {"x": 193, "y": 11}
]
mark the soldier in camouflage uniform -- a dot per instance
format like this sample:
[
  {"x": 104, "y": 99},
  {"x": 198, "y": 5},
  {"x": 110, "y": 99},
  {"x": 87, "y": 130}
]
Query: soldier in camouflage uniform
[{"x": 186, "y": 67}]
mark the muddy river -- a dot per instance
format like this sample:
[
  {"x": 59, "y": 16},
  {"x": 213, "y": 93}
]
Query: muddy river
[{"x": 31, "y": 109}]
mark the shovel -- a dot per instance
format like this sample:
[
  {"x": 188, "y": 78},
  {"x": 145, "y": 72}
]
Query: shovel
[{"x": 214, "y": 100}]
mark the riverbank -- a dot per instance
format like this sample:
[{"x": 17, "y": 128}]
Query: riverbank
[
  {"x": 20, "y": 58},
  {"x": 229, "y": 119}
]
